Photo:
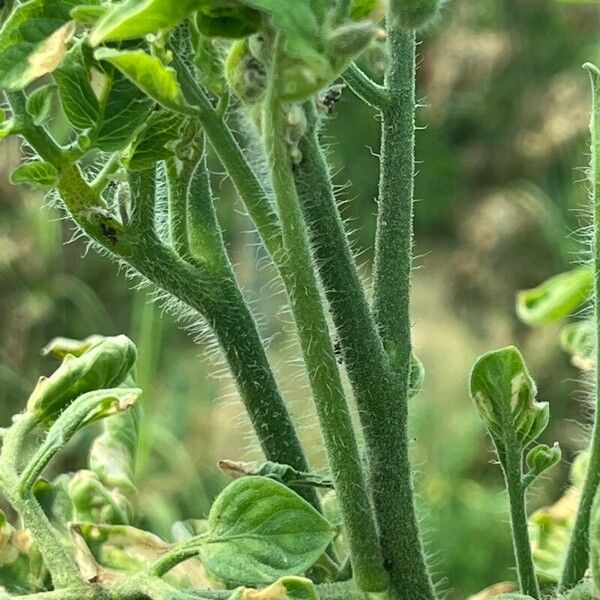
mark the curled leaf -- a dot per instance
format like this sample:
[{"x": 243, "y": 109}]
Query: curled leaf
[
  {"x": 103, "y": 365},
  {"x": 286, "y": 588},
  {"x": 543, "y": 457},
  {"x": 59, "y": 347},
  {"x": 579, "y": 340},
  {"x": 556, "y": 298},
  {"x": 505, "y": 395}
]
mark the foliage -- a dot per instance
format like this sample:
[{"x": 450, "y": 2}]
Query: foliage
[{"x": 145, "y": 86}]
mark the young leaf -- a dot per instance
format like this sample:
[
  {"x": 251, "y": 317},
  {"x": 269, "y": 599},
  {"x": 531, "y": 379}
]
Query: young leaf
[
  {"x": 39, "y": 103},
  {"x": 541, "y": 458},
  {"x": 60, "y": 347},
  {"x": 579, "y": 340},
  {"x": 155, "y": 141},
  {"x": 104, "y": 365},
  {"x": 148, "y": 73},
  {"x": 231, "y": 21},
  {"x": 7, "y": 128},
  {"x": 33, "y": 40},
  {"x": 38, "y": 174},
  {"x": 131, "y": 19},
  {"x": 259, "y": 530},
  {"x": 505, "y": 395},
  {"x": 85, "y": 410},
  {"x": 556, "y": 298}
]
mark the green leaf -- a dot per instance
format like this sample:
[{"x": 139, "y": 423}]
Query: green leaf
[
  {"x": 259, "y": 530},
  {"x": 505, "y": 395},
  {"x": 106, "y": 364},
  {"x": 282, "y": 473},
  {"x": 579, "y": 340},
  {"x": 59, "y": 347},
  {"x": 38, "y": 174},
  {"x": 148, "y": 73},
  {"x": 227, "y": 20},
  {"x": 155, "y": 141},
  {"x": 79, "y": 102},
  {"x": 7, "y": 128},
  {"x": 83, "y": 411},
  {"x": 40, "y": 102},
  {"x": 132, "y": 19},
  {"x": 556, "y": 298},
  {"x": 124, "y": 110},
  {"x": 543, "y": 457},
  {"x": 33, "y": 41},
  {"x": 88, "y": 15}
]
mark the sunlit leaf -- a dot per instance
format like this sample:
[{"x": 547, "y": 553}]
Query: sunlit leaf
[
  {"x": 131, "y": 19},
  {"x": 37, "y": 174},
  {"x": 33, "y": 40},
  {"x": 556, "y": 298},
  {"x": 148, "y": 73}
]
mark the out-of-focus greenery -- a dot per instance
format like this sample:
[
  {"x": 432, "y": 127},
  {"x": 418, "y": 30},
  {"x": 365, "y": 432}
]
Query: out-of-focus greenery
[{"x": 506, "y": 109}]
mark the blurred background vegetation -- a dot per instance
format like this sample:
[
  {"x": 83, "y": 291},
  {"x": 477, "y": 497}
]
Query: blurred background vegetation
[{"x": 504, "y": 116}]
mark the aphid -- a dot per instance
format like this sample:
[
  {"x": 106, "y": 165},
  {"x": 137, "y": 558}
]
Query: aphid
[{"x": 330, "y": 97}]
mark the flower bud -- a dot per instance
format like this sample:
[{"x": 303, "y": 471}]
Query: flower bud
[
  {"x": 543, "y": 457},
  {"x": 415, "y": 14},
  {"x": 102, "y": 366},
  {"x": 505, "y": 395},
  {"x": 245, "y": 74}
]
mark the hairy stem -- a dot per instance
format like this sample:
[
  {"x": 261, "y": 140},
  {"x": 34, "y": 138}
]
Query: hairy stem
[
  {"x": 216, "y": 296},
  {"x": 577, "y": 559},
  {"x": 319, "y": 355},
  {"x": 391, "y": 306},
  {"x": 57, "y": 558},
  {"x": 365, "y": 88},
  {"x": 375, "y": 385},
  {"x": 513, "y": 474}
]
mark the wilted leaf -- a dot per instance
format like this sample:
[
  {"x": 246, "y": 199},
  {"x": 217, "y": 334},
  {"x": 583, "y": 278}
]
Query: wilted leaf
[
  {"x": 104, "y": 365},
  {"x": 38, "y": 174},
  {"x": 260, "y": 530},
  {"x": 286, "y": 588}
]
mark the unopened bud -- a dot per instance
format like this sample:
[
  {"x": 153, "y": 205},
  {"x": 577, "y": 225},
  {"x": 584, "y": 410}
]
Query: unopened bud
[
  {"x": 416, "y": 14},
  {"x": 543, "y": 457}
]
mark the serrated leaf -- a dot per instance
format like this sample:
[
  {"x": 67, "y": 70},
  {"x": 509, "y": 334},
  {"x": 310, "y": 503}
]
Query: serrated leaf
[
  {"x": 132, "y": 19},
  {"x": 260, "y": 530},
  {"x": 147, "y": 72},
  {"x": 556, "y": 298},
  {"x": 33, "y": 41},
  {"x": 40, "y": 102},
  {"x": 37, "y": 174},
  {"x": 154, "y": 142}
]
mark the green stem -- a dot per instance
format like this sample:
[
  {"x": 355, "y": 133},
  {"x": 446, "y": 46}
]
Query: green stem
[
  {"x": 513, "y": 473},
  {"x": 230, "y": 154},
  {"x": 216, "y": 296},
  {"x": 577, "y": 560},
  {"x": 365, "y": 88},
  {"x": 319, "y": 355},
  {"x": 376, "y": 388},
  {"x": 37, "y": 137},
  {"x": 58, "y": 559}
]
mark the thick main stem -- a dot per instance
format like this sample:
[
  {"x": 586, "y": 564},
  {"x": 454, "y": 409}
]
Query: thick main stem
[
  {"x": 374, "y": 383},
  {"x": 391, "y": 307},
  {"x": 513, "y": 473},
  {"x": 577, "y": 560},
  {"x": 319, "y": 356}
]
